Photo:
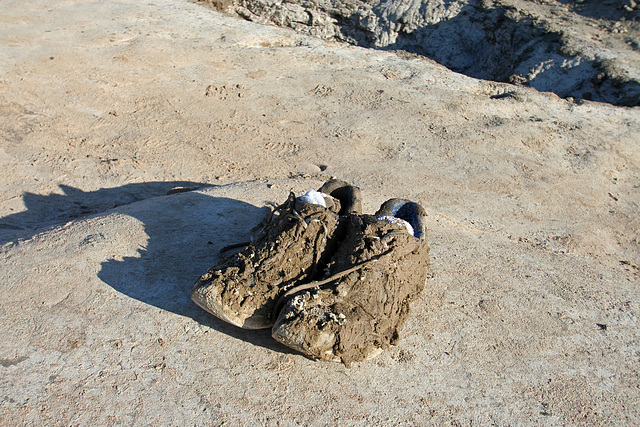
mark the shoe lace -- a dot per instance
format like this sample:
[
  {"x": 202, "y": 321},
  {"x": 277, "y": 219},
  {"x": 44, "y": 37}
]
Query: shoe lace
[
  {"x": 287, "y": 210},
  {"x": 319, "y": 283}
]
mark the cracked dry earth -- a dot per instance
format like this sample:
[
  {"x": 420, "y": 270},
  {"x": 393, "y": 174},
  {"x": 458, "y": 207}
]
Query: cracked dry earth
[{"x": 139, "y": 138}]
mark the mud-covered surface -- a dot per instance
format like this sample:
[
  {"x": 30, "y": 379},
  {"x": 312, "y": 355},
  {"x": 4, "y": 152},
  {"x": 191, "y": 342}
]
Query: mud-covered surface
[
  {"x": 549, "y": 45},
  {"x": 360, "y": 314},
  {"x": 294, "y": 246}
]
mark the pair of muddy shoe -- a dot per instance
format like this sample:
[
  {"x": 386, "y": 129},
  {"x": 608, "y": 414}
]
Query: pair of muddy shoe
[{"x": 331, "y": 282}]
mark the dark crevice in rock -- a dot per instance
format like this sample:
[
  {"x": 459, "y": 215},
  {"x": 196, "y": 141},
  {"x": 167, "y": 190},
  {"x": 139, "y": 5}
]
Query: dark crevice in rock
[{"x": 608, "y": 9}]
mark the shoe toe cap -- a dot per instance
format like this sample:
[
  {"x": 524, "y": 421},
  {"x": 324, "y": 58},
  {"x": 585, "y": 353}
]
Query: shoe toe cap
[{"x": 302, "y": 337}]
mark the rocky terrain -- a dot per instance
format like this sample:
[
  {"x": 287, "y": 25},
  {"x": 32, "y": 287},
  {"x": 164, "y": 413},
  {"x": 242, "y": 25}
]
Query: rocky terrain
[
  {"x": 139, "y": 138},
  {"x": 578, "y": 49}
]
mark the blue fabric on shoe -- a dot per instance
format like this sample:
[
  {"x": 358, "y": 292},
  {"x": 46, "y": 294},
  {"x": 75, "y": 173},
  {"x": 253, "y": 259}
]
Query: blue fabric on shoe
[{"x": 410, "y": 213}]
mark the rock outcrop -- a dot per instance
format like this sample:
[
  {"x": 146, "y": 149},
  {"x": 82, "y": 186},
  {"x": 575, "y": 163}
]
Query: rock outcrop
[{"x": 493, "y": 40}]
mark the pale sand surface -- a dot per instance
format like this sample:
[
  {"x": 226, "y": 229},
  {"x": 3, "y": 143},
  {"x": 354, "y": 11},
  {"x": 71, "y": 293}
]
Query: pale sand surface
[{"x": 531, "y": 313}]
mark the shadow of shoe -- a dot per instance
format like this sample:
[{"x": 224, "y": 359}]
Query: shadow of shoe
[{"x": 185, "y": 234}]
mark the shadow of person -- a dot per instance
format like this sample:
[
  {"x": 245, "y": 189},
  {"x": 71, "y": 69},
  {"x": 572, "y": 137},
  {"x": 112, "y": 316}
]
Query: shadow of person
[
  {"x": 185, "y": 234},
  {"x": 44, "y": 211}
]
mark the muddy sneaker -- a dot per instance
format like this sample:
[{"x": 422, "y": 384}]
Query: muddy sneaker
[
  {"x": 293, "y": 247},
  {"x": 348, "y": 195},
  {"x": 358, "y": 310}
]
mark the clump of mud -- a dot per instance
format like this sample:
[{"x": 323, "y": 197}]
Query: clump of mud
[
  {"x": 479, "y": 38},
  {"x": 242, "y": 288},
  {"x": 362, "y": 312}
]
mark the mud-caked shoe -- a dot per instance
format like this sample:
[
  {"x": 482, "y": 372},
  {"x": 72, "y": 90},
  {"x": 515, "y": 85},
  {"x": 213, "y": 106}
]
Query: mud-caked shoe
[
  {"x": 348, "y": 195},
  {"x": 293, "y": 247},
  {"x": 360, "y": 308}
]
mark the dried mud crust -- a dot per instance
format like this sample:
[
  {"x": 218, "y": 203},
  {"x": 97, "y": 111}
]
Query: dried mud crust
[
  {"x": 362, "y": 313},
  {"x": 294, "y": 246}
]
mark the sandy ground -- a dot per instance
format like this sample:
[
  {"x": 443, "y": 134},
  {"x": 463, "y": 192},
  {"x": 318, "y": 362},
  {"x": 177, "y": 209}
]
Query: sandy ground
[{"x": 531, "y": 312}]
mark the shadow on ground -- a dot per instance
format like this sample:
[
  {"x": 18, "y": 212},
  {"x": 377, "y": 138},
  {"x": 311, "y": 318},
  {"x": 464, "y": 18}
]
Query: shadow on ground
[
  {"x": 44, "y": 211},
  {"x": 608, "y": 9},
  {"x": 185, "y": 234},
  {"x": 489, "y": 43}
]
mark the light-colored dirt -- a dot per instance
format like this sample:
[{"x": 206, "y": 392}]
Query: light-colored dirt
[{"x": 531, "y": 313}]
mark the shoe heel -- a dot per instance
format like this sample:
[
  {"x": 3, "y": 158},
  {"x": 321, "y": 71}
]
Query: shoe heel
[
  {"x": 406, "y": 210},
  {"x": 349, "y": 196}
]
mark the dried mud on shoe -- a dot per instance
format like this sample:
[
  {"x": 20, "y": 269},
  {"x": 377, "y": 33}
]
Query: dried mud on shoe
[
  {"x": 379, "y": 269},
  {"x": 293, "y": 247}
]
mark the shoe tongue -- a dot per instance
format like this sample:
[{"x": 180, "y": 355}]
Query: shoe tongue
[
  {"x": 317, "y": 198},
  {"x": 314, "y": 198}
]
